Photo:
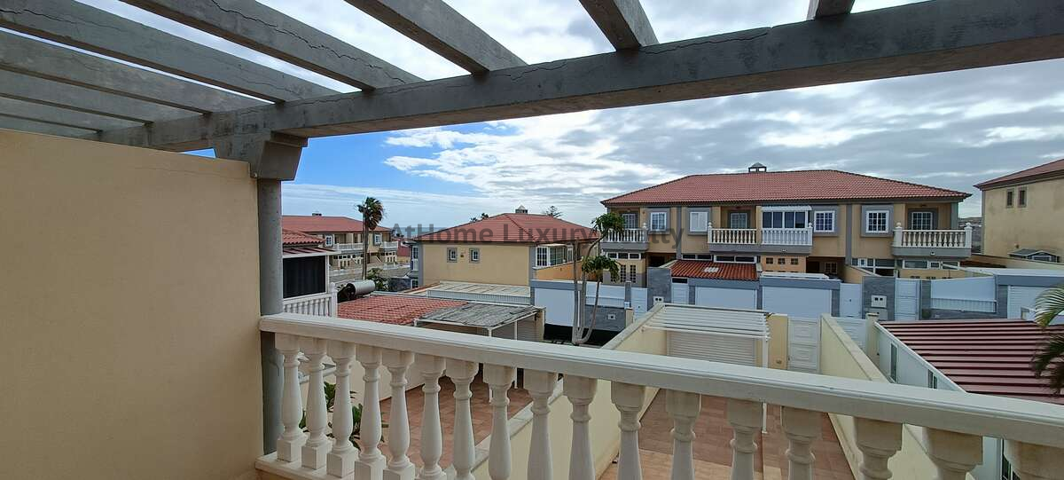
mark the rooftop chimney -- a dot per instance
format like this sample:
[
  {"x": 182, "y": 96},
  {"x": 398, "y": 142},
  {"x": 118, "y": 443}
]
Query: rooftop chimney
[
  {"x": 521, "y": 209},
  {"x": 316, "y": 214},
  {"x": 757, "y": 168}
]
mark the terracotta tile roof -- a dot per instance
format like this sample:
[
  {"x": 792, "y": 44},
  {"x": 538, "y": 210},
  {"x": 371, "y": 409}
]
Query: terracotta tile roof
[
  {"x": 512, "y": 228},
  {"x": 324, "y": 224},
  {"x": 1048, "y": 170},
  {"x": 392, "y": 309},
  {"x": 292, "y": 237},
  {"x": 991, "y": 357},
  {"x": 719, "y": 271},
  {"x": 791, "y": 186},
  {"x": 306, "y": 251}
]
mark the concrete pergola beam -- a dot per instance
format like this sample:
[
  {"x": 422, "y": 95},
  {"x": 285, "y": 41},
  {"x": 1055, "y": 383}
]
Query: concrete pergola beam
[
  {"x": 440, "y": 28},
  {"x": 81, "y": 99},
  {"x": 35, "y": 58},
  {"x": 623, "y": 22},
  {"x": 953, "y": 35},
  {"x": 61, "y": 116},
  {"x": 78, "y": 25},
  {"x": 258, "y": 27},
  {"x": 23, "y": 125},
  {"x": 828, "y": 8}
]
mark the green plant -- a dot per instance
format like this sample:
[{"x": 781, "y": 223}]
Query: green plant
[
  {"x": 379, "y": 282},
  {"x": 1048, "y": 360},
  {"x": 372, "y": 213},
  {"x": 356, "y": 414}
]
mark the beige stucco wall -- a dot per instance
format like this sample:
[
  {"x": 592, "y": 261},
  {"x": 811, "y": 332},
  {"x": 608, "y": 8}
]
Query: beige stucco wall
[
  {"x": 930, "y": 273},
  {"x": 870, "y": 247},
  {"x": 556, "y": 272},
  {"x": 505, "y": 264},
  {"x": 841, "y": 357},
  {"x": 778, "y": 327},
  {"x": 1010, "y": 262},
  {"x": 130, "y": 345},
  {"x": 1008, "y": 229},
  {"x": 851, "y": 274}
]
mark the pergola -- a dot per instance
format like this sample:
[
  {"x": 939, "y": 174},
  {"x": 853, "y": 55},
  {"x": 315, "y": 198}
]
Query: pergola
[{"x": 49, "y": 89}]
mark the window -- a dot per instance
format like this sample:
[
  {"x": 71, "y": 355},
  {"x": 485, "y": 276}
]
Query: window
[
  {"x": 738, "y": 220},
  {"x": 692, "y": 256},
  {"x": 1008, "y": 197},
  {"x": 699, "y": 221},
  {"x": 611, "y": 255},
  {"x": 547, "y": 255},
  {"x": 542, "y": 256},
  {"x": 330, "y": 240},
  {"x": 794, "y": 261},
  {"x": 630, "y": 220},
  {"x": 783, "y": 220},
  {"x": 922, "y": 221},
  {"x": 452, "y": 254},
  {"x": 876, "y": 221},
  {"x": 831, "y": 268},
  {"x": 376, "y": 239},
  {"x": 303, "y": 276},
  {"x": 658, "y": 221},
  {"x": 474, "y": 255},
  {"x": 781, "y": 261},
  {"x": 914, "y": 264},
  {"x": 1022, "y": 200},
  {"x": 824, "y": 221},
  {"x": 414, "y": 283},
  {"x": 768, "y": 260},
  {"x": 733, "y": 259},
  {"x": 894, "y": 362},
  {"x": 631, "y": 273},
  {"x": 414, "y": 251},
  {"x": 1044, "y": 257},
  {"x": 932, "y": 380}
]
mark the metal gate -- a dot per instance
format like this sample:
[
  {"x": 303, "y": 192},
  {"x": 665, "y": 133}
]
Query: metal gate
[
  {"x": 680, "y": 292},
  {"x": 906, "y": 299},
  {"x": 803, "y": 345},
  {"x": 639, "y": 301},
  {"x": 850, "y": 300}
]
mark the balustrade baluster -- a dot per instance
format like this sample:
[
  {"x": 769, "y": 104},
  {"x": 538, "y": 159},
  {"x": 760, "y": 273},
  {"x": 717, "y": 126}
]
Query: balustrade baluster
[
  {"x": 399, "y": 467},
  {"x": 1035, "y": 462},
  {"x": 745, "y": 418},
  {"x": 955, "y": 454},
  {"x": 499, "y": 379},
  {"x": 291, "y": 441},
  {"x": 540, "y": 386},
  {"x": 628, "y": 399},
  {"x": 317, "y": 444},
  {"x": 580, "y": 391},
  {"x": 462, "y": 374},
  {"x": 801, "y": 427},
  {"x": 683, "y": 408},
  {"x": 370, "y": 464},
  {"x": 340, "y": 462},
  {"x": 432, "y": 369},
  {"x": 878, "y": 441}
]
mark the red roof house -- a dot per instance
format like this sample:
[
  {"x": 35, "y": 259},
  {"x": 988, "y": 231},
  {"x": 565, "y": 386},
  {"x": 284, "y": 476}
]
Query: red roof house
[
  {"x": 1040, "y": 172},
  {"x": 324, "y": 224},
  {"x": 392, "y": 309},
  {"x": 512, "y": 228}
]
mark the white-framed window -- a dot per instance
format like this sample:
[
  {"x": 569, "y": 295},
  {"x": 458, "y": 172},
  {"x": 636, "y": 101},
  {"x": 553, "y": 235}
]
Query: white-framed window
[
  {"x": 824, "y": 221},
  {"x": 542, "y": 256},
  {"x": 631, "y": 273},
  {"x": 734, "y": 259},
  {"x": 876, "y": 221},
  {"x": 738, "y": 220},
  {"x": 699, "y": 221},
  {"x": 452, "y": 254},
  {"x": 377, "y": 238},
  {"x": 414, "y": 251},
  {"x": 414, "y": 283},
  {"x": 692, "y": 256},
  {"x": 548, "y": 255},
  {"x": 330, "y": 240},
  {"x": 782, "y": 220},
  {"x": 659, "y": 221},
  {"x": 631, "y": 220},
  {"x": 921, "y": 220},
  {"x": 474, "y": 255}
]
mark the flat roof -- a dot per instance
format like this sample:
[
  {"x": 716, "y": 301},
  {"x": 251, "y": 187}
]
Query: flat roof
[
  {"x": 991, "y": 357},
  {"x": 480, "y": 315},
  {"x": 480, "y": 288},
  {"x": 1024, "y": 272}
]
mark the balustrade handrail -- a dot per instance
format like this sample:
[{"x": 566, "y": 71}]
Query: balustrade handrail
[
  {"x": 787, "y": 236},
  {"x": 999, "y": 417},
  {"x": 349, "y": 246},
  {"x": 734, "y": 236},
  {"x": 904, "y": 237},
  {"x": 627, "y": 235}
]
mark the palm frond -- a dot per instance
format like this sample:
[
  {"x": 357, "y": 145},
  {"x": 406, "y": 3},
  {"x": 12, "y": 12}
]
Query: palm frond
[
  {"x": 1048, "y": 305},
  {"x": 1048, "y": 362}
]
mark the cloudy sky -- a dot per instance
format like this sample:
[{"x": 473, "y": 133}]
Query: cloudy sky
[{"x": 950, "y": 130}]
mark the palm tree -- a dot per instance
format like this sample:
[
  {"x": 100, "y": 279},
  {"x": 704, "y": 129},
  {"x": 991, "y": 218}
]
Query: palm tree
[
  {"x": 1048, "y": 361},
  {"x": 594, "y": 266},
  {"x": 372, "y": 213}
]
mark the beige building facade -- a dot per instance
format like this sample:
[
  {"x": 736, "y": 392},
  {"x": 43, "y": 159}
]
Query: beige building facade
[{"x": 1021, "y": 214}]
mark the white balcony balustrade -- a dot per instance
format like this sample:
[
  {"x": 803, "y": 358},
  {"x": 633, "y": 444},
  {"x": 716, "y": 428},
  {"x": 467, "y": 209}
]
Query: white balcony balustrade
[
  {"x": 349, "y": 248},
  {"x": 732, "y": 236},
  {"x": 323, "y": 304},
  {"x": 765, "y": 236},
  {"x": 390, "y": 245},
  {"x": 628, "y": 235},
  {"x": 954, "y": 423},
  {"x": 933, "y": 238},
  {"x": 787, "y": 236}
]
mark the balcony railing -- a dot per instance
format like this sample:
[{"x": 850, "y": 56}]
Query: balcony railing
[
  {"x": 349, "y": 247},
  {"x": 787, "y": 236},
  {"x": 390, "y": 245},
  {"x": 733, "y": 236},
  {"x": 323, "y": 304},
  {"x": 628, "y": 235},
  {"x": 933, "y": 238},
  {"x": 954, "y": 422}
]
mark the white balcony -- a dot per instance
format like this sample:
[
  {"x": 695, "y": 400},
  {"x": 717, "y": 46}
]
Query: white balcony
[
  {"x": 932, "y": 243},
  {"x": 732, "y": 236},
  {"x": 349, "y": 248},
  {"x": 787, "y": 236},
  {"x": 627, "y": 239},
  {"x": 606, "y": 392},
  {"x": 323, "y": 304},
  {"x": 390, "y": 245},
  {"x": 754, "y": 240}
]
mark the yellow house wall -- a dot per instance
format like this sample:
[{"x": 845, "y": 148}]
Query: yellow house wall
[
  {"x": 143, "y": 361},
  {"x": 786, "y": 267},
  {"x": 556, "y": 272},
  {"x": 661, "y": 242},
  {"x": 828, "y": 245},
  {"x": 503, "y": 264},
  {"x": 928, "y": 273},
  {"x": 1034, "y": 226},
  {"x": 778, "y": 327},
  {"x": 870, "y": 247},
  {"x": 851, "y": 274},
  {"x": 693, "y": 242},
  {"x": 841, "y": 357}
]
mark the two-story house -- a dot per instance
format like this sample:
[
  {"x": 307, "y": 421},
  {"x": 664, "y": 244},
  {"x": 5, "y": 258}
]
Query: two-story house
[
  {"x": 306, "y": 284},
  {"x": 811, "y": 221},
  {"x": 345, "y": 235},
  {"x": 1019, "y": 212},
  {"x": 507, "y": 249}
]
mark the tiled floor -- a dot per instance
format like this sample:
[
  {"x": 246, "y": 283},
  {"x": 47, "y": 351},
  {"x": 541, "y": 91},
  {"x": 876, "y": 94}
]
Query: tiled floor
[
  {"x": 712, "y": 448},
  {"x": 415, "y": 402}
]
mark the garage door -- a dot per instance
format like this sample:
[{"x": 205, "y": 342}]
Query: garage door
[
  {"x": 703, "y": 346},
  {"x": 680, "y": 292},
  {"x": 796, "y": 302},
  {"x": 906, "y": 299},
  {"x": 726, "y": 297}
]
